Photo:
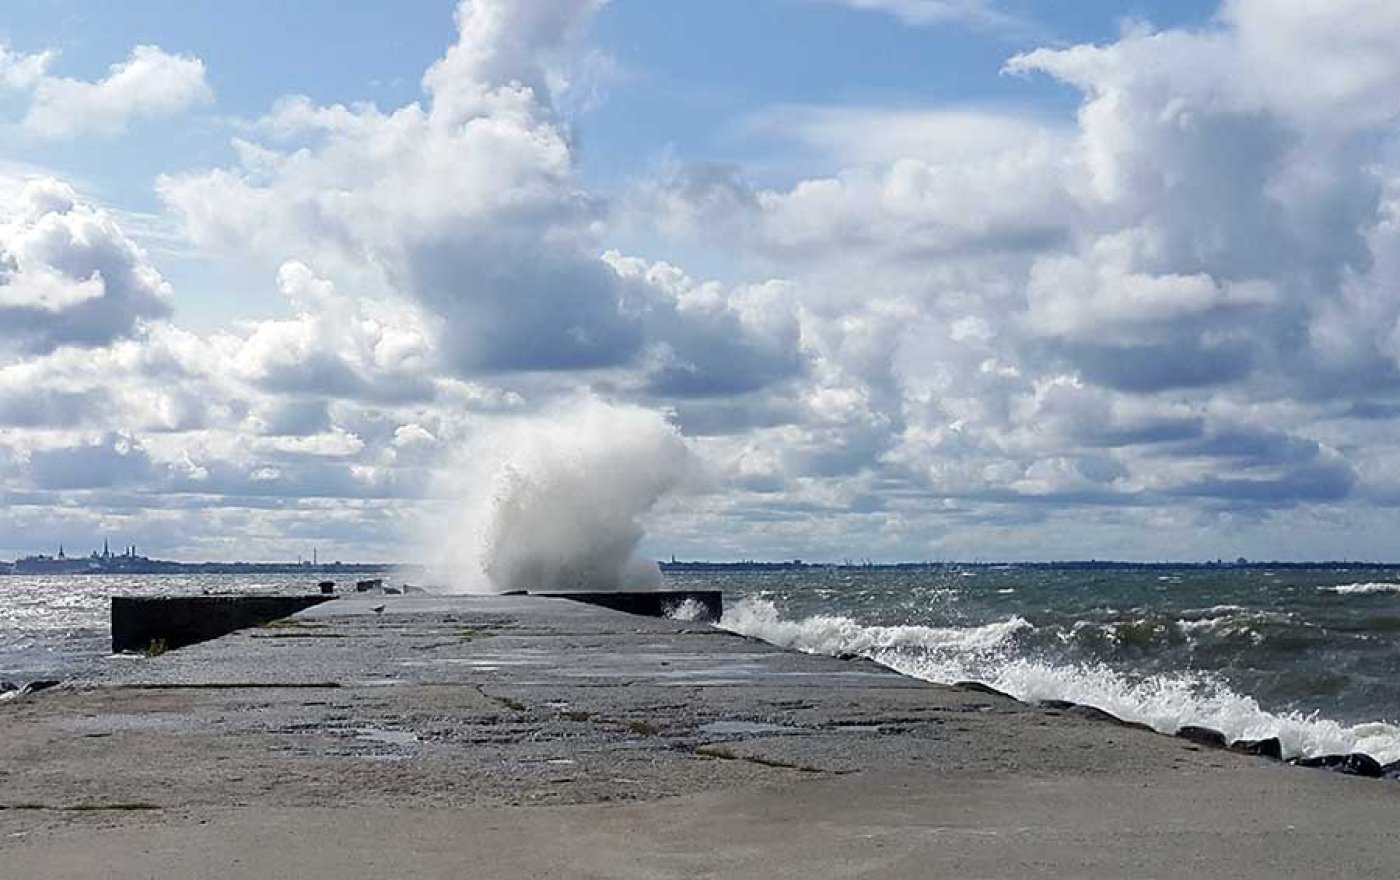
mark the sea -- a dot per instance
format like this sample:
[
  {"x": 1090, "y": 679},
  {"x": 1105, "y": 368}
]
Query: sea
[{"x": 1310, "y": 655}]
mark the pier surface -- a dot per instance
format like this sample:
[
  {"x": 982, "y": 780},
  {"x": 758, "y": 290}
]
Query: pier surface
[{"x": 532, "y": 737}]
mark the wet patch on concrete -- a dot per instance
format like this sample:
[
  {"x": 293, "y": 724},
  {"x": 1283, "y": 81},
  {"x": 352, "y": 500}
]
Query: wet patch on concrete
[{"x": 742, "y": 728}]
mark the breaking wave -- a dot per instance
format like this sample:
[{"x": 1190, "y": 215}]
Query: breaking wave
[
  {"x": 1363, "y": 589},
  {"x": 556, "y": 501},
  {"x": 989, "y": 654}
]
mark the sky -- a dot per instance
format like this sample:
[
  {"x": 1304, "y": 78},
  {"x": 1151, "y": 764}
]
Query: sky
[{"x": 916, "y": 279}]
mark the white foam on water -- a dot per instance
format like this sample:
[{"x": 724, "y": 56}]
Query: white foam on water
[
  {"x": 687, "y": 610},
  {"x": 1363, "y": 589},
  {"x": 1232, "y": 620},
  {"x": 985, "y": 654},
  {"x": 841, "y": 635}
]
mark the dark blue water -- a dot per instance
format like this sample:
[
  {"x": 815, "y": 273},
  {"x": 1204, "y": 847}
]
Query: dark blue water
[{"x": 1311, "y": 656}]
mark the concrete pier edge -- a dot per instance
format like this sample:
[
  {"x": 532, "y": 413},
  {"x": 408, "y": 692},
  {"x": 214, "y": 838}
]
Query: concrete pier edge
[
  {"x": 170, "y": 622},
  {"x": 141, "y": 623}
]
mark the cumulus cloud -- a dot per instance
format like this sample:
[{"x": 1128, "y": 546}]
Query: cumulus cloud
[
  {"x": 109, "y": 461},
  {"x": 704, "y": 341},
  {"x": 468, "y": 206},
  {"x": 1163, "y": 325},
  {"x": 335, "y": 347},
  {"x": 150, "y": 84},
  {"x": 100, "y": 395},
  {"x": 19, "y": 71},
  {"x": 1184, "y": 294},
  {"x": 69, "y": 275}
]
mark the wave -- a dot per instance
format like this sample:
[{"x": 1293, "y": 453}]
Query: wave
[
  {"x": 1362, "y": 589},
  {"x": 834, "y": 635},
  {"x": 986, "y": 653},
  {"x": 1230, "y": 623}
]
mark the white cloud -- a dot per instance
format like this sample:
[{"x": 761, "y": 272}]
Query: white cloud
[
  {"x": 1164, "y": 326},
  {"x": 336, "y": 347},
  {"x": 1184, "y": 296},
  {"x": 21, "y": 72},
  {"x": 69, "y": 275},
  {"x": 856, "y": 135},
  {"x": 978, "y": 13},
  {"x": 148, "y": 85},
  {"x": 466, "y": 205}
]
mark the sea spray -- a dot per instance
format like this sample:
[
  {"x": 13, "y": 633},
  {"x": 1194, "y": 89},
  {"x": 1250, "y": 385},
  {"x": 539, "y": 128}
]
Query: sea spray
[
  {"x": 988, "y": 654},
  {"x": 555, "y": 500}
]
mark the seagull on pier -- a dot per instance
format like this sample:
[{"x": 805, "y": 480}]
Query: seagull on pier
[{"x": 378, "y": 609}]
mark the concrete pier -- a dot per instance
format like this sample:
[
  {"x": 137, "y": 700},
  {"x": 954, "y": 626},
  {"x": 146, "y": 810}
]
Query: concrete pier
[
  {"x": 534, "y": 737},
  {"x": 703, "y": 606},
  {"x": 140, "y": 622}
]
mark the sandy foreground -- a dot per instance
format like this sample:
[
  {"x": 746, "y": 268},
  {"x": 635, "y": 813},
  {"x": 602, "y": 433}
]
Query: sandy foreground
[{"x": 529, "y": 737}]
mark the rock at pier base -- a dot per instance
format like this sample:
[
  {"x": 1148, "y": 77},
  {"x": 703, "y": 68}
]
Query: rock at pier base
[
  {"x": 1355, "y": 764},
  {"x": 980, "y": 688},
  {"x": 1263, "y": 748},
  {"x": 1203, "y": 736}
]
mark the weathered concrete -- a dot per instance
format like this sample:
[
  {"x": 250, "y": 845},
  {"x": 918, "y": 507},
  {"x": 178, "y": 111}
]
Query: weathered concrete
[
  {"x": 519, "y": 736},
  {"x": 704, "y": 606},
  {"x": 138, "y": 622}
]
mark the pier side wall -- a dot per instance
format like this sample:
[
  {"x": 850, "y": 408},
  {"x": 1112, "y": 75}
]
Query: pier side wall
[
  {"x": 139, "y": 622},
  {"x": 706, "y": 606}
]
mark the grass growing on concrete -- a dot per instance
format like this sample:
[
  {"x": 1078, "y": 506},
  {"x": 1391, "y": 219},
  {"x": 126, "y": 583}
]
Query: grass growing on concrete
[
  {"x": 223, "y": 685},
  {"x": 474, "y": 633},
  {"x": 507, "y": 702},
  {"x": 81, "y": 808},
  {"x": 292, "y": 623}
]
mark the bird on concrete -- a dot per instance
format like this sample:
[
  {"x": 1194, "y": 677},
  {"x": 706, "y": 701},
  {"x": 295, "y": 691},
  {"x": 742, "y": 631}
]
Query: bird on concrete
[{"x": 378, "y": 609}]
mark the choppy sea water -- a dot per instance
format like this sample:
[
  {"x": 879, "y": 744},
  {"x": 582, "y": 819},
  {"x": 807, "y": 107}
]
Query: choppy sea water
[
  {"x": 1310, "y": 656},
  {"x": 58, "y": 626}
]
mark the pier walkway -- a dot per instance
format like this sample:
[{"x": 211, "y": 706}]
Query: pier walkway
[{"x": 532, "y": 737}]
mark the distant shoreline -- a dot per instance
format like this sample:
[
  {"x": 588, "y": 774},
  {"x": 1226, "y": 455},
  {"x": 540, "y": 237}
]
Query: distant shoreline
[
  {"x": 83, "y": 566},
  {"x": 1066, "y": 565},
  {"x": 124, "y": 565}
]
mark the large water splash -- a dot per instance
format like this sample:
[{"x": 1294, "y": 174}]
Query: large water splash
[{"x": 555, "y": 501}]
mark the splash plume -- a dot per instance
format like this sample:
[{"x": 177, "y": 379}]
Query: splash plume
[{"x": 556, "y": 501}]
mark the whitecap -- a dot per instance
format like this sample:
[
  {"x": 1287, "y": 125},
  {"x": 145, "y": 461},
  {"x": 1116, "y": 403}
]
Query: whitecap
[
  {"x": 980, "y": 653},
  {"x": 830, "y": 634},
  {"x": 1362, "y": 589}
]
